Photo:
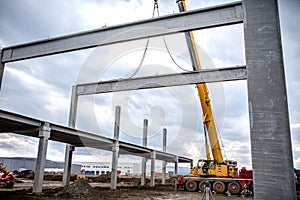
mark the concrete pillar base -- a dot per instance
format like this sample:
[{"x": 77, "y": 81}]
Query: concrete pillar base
[
  {"x": 152, "y": 179},
  {"x": 68, "y": 164}
]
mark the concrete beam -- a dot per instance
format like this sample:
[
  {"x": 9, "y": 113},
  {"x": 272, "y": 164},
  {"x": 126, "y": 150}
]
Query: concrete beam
[
  {"x": 68, "y": 164},
  {"x": 226, "y": 14},
  {"x": 271, "y": 148},
  {"x": 24, "y": 125},
  {"x": 152, "y": 178},
  {"x": 188, "y": 78},
  {"x": 144, "y": 160},
  {"x": 44, "y": 135},
  {"x": 164, "y": 164},
  {"x": 115, "y": 149}
]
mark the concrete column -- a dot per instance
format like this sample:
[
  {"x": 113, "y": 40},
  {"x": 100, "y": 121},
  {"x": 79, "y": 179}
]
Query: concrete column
[
  {"x": 70, "y": 148},
  {"x": 176, "y": 166},
  {"x": 117, "y": 123},
  {"x": 73, "y": 108},
  {"x": 271, "y": 149},
  {"x": 144, "y": 160},
  {"x": 44, "y": 135},
  {"x": 114, "y": 165},
  {"x": 164, "y": 164},
  {"x": 115, "y": 149},
  {"x": 68, "y": 164},
  {"x": 152, "y": 178},
  {"x": 1, "y": 68}
]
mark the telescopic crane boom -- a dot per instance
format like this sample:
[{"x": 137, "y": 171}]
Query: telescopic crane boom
[
  {"x": 219, "y": 174},
  {"x": 208, "y": 119},
  {"x": 216, "y": 166}
]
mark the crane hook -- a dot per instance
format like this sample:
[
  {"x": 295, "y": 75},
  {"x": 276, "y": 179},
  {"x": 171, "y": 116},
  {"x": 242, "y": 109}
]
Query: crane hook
[{"x": 155, "y": 8}]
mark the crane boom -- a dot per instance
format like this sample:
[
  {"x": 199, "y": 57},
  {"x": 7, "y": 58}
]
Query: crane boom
[{"x": 207, "y": 117}]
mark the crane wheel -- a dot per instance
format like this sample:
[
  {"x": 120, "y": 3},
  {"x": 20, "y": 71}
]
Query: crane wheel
[
  {"x": 234, "y": 188},
  {"x": 202, "y": 186},
  {"x": 251, "y": 187},
  {"x": 219, "y": 187},
  {"x": 191, "y": 186}
]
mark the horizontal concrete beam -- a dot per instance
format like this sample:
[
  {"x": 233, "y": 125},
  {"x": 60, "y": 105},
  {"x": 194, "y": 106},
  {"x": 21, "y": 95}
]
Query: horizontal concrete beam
[
  {"x": 20, "y": 124},
  {"x": 215, "y": 16},
  {"x": 187, "y": 78}
]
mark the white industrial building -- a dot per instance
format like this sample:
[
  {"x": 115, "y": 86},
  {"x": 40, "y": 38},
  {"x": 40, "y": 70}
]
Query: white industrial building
[
  {"x": 98, "y": 168},
  {"x": 24, "y": 163},
  {"x": 131, "y": 169}
]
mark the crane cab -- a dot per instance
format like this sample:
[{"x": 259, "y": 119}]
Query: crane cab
[{"x": 211, "y": 168}]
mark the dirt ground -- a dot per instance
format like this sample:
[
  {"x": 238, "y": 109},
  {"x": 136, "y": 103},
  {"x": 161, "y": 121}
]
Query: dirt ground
[
  {"x": 127, "y": 189},
  {"x": 122, "y": 193},
  {"x": 99, "y": 188}
]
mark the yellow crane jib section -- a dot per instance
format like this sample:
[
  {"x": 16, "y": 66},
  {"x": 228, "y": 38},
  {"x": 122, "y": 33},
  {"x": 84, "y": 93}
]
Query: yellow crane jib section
[{"x": 208, "y": 119}]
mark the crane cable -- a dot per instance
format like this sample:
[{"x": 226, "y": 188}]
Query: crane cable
[
  {"x": 155, "y": 7},
  {"x": 167, "y": 48},
  {"x": 164, "y": 39}
]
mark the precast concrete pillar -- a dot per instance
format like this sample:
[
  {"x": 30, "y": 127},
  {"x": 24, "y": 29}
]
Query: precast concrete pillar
[
  {"x": 70, "y": 148},
  {"x": 73, "y": 107},
  {"x": 176, "y": 165},
  {"x": 271, "y": 147},
  {"x": 44, "y": 135},
  {"x": 152, "y": 178},
  {"x": 144, "y": 160},
  {"x": 1, "y": 69},
  {"x": 164, "y": 164},
  {"x": 115, "y": 149},
  {"x": 114, "y": 165},
  {"x": 68, "y": 164}
]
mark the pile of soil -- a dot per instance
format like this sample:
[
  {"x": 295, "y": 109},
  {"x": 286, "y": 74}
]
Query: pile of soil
[
  {"x": 104, "y": 178},
  {"x": 27, "y": 174},
  {"x": 80, "y": 189}
]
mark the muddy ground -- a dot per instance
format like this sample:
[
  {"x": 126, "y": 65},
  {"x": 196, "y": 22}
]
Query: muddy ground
[
  {"x": 131, "y": 192},
  {"x": 99, "y": 188},
  {"x": 128, "y": 188}
]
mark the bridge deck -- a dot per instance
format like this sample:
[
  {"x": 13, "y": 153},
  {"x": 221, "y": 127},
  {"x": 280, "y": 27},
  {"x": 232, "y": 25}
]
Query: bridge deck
[{"x": 28, "y": 126}]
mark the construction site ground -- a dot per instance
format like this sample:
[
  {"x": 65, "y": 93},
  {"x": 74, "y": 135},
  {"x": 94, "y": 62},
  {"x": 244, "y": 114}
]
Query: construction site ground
[{"x": 99, "y": 188}]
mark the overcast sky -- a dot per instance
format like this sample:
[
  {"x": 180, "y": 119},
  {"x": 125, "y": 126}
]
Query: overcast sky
[{"x": 41, "y": 88}]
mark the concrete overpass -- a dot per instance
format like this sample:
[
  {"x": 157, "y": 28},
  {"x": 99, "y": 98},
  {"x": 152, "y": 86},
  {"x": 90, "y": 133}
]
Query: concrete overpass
[{"x": 28, "y": 126}]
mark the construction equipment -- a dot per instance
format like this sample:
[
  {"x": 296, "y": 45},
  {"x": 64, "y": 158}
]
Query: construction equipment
[
  {"x": 225, "y": 172},
  {"x": 6, "y": 177},
  {"x": 209, "y": 167},
  {"x": 297, "y": 176}
]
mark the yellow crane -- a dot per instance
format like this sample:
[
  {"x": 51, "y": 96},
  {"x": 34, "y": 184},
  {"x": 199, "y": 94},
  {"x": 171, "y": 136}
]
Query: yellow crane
[{"x": 216, "y": 166}]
